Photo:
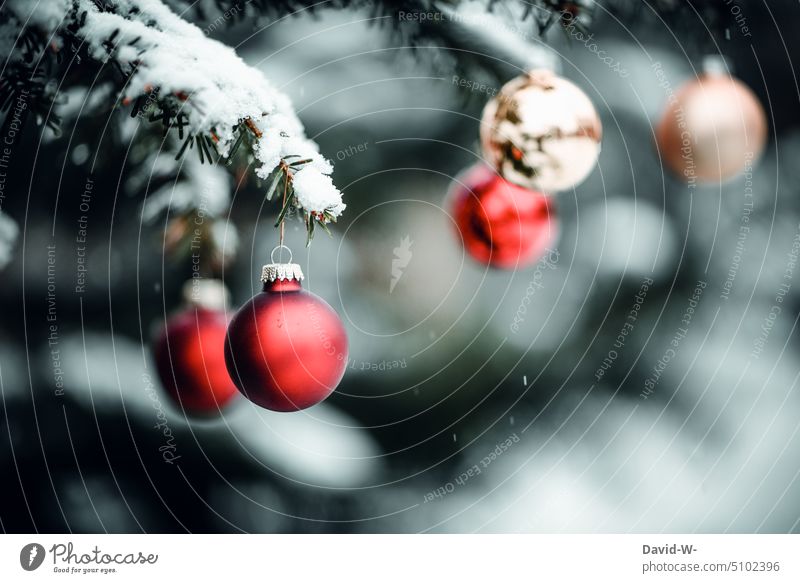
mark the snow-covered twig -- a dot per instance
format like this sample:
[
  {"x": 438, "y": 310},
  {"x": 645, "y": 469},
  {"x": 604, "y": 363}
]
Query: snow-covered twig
[
  {"x": 196, "y": 82},
  {"x": 219, "y": 91}
]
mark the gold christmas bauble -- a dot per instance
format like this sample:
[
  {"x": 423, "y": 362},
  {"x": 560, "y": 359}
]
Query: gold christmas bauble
[
  {"x": 541, "y": 132},
  {"x": 713, "y": 128}
]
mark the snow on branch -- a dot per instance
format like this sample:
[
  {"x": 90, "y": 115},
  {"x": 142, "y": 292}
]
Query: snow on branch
[
  {"x": 220, "y": 105},
  {"x": 8, "y": 237},
  {"x": 218, "y": 94}
]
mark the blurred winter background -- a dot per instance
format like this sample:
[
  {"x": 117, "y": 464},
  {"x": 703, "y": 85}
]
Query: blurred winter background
[{"x": 438, "y": 381}]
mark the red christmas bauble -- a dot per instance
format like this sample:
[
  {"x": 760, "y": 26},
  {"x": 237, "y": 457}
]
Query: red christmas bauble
[
  {"x": 190, "y": 359},
  {"x": 501, "y": 224},
  {"x": 286, "y": 348}
]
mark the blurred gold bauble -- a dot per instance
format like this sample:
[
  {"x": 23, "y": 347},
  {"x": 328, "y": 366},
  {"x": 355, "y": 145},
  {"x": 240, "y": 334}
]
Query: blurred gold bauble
[
  {"x": 712, "y": 128},
  {"x": 541, "y": 132}
]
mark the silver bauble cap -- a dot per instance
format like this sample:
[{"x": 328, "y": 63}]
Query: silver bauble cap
[
  {"x": 282, "y": 271},
  {"x": 206, "y": 293}
]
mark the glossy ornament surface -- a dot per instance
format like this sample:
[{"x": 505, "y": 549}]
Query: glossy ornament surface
[
  {"x": 541, "y": 132},
  {"x": 501, "y": 224},
  {"x": 713, "y": 129},
  {"x": 286, "y": 348}
]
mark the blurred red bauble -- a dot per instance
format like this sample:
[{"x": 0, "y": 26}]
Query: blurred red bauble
[
  {"x": 190, "y": 352},
  {"x": 501, "y": 224},
  {"x": 286, "y": 348},
  {"x": 713, "y": 129}
]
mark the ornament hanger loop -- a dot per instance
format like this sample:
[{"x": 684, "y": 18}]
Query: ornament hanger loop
[{"x": 279, "y": 249}]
